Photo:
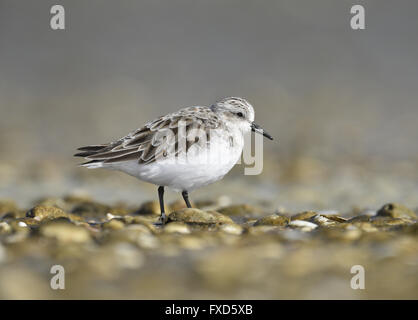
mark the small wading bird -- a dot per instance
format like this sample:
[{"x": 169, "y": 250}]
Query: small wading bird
[{"x": 204, "y": 142}]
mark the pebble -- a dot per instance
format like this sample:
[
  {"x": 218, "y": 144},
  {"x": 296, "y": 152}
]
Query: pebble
[
  {"x": 241, "y": 210},
  {"x": 94, "y": 210},
  {"x": 176, "y": 227},
  {"x": 44, "y": 212},
  {"x": 231, "y": 229},
  {"x": 361, "y": 218},
  {"x": 190, "y": 215},
  {"x": 396, "y": 210},
  {"x": 129, "y": 234},
  {"x": 322, "y": 220},
  {"x": 262, "y": 230},
  {"x": 5, "y": 228},
  {"x": 306, "y": 215},
  {"x": 303, "y": 225},
  {"x": 64, "y": 231},
  {"x": 272, "y": 220},
  {"x": 113, "y": 224}
]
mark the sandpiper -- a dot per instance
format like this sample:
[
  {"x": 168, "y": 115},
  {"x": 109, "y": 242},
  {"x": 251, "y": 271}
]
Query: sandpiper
[{"x": 184, "y": 150}]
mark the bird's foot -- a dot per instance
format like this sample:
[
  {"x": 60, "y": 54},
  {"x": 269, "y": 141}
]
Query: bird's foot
[{"x": 162, "y": 220}]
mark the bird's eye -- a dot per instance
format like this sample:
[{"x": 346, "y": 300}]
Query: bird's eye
[{"x": 239, "y": 114}]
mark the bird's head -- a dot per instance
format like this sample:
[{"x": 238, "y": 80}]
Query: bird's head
[{"x": 240, "y": 112}]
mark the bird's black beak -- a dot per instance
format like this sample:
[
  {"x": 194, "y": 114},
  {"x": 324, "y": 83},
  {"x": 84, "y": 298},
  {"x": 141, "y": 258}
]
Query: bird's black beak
[{"x": 258, "y": 129}]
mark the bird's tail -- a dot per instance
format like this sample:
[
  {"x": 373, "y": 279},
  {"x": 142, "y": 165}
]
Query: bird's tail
[{"x": 89, "y": 151}]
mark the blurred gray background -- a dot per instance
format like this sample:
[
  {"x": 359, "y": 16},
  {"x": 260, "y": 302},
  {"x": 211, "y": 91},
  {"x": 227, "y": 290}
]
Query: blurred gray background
[{"x": 325, "y": 91}]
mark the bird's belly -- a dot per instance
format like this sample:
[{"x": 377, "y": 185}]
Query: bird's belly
[
  {"x": 199, "y": 168},
  {"x": 183, "y": 176}
]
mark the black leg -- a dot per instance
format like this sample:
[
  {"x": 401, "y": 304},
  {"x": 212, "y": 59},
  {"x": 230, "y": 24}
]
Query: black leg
[
  {"x": 161, "y": 197},
  {"x": 185, "y": 195}
]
